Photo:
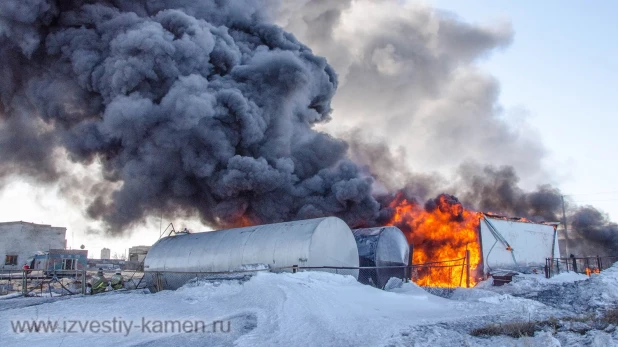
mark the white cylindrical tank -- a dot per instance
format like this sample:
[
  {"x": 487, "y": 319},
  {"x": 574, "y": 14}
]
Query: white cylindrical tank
[
  {"x": 382, "y": 247},
  {"x": 306, "y": 243}
]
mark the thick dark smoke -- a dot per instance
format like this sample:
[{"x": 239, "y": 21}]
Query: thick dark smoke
[
  {"x": 206, "y": 107},
  {"x": 491, "y": 189},
  {"x": 189, "y": 105},
  {"x": 596, "y": 234},
  {"x": 484, "y": 188}
]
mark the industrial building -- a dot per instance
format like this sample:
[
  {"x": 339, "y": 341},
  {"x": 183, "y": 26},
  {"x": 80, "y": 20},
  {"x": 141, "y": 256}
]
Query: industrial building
[
  {"x": 21, "y": 241},
  {"x": 106, "y": 253},
  {"x": 59, "y": 261},
  {"x": 138, "y": 253}
]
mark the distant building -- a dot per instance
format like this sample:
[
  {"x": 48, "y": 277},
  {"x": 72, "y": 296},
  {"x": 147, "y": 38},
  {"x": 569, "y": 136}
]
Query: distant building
[
  {"x": 138, "y": 253},
  {"x": 21, "y": 241},
  {"x": 109, "y": 264},
  {"x": 60, "y": 261},
  {"x": 106, "y": 253}
]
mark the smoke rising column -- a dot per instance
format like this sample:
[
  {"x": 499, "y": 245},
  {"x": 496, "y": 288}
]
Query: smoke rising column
[{"x": 189, "y": 106}]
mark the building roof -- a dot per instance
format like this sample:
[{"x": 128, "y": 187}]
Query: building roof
[
  {"x": 517, "y": 219},
  {"x": 29, "y": 223},
  {"x": 69, "y": 251}
]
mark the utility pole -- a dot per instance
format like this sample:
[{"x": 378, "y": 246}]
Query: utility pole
[{"x": 564, "y": 222}]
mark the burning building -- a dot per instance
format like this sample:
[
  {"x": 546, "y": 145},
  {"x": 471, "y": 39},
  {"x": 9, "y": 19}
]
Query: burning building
[
  {"x": 442, "y": 231},
  {"x": 516, "y": 243}
]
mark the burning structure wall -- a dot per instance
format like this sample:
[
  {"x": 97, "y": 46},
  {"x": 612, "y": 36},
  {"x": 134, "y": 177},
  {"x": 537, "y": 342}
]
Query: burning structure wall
[
  {"x": 442, "y": 230},
  {"x": 516, "y": 244}
]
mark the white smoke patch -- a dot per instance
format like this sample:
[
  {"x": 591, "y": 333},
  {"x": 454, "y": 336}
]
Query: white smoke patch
[{"x": 409, "y": 73}]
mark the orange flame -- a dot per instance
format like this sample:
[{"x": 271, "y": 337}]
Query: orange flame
[
  {"x": 440, "y": 234},
  {"x": 244, "y": 221},
  {"x": 590, "y": 271}
]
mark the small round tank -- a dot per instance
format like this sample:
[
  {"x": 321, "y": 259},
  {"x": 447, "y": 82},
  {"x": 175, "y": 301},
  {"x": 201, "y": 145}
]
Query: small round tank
[
  {"x": 306, "y": 243},
  {"x": 378, "y": 247}
]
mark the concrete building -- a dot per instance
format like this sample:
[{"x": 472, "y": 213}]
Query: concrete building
[
  {"x": 106, "y": 253},
  {"x": 107, "y": 264},
  {"x": 20, "y": 241},
  {"x": 138, "y": 253}
]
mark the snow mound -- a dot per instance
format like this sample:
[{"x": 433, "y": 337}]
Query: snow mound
[
  {"x": 471, "y": 294},
  {"x": 568, "y": 277},
  {"x": 308, "y": 309},
  {"x": 10, "y": 296},
  {"x": 302, "y": 309},
  {"x": 568, "y": 291},
  {"x": 602, "y": 289},
  {"x": 411, "y": 289}
]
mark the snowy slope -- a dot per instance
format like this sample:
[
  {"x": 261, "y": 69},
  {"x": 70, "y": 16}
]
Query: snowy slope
[
  {"x": 302, "y": 309},
  {"x": 270, "y": 309}
]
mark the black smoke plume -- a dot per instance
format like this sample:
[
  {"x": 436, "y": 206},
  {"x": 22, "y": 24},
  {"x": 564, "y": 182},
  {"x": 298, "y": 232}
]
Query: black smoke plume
[
  {"x": 206, "y": 107},
  {"x": 491, "y": 189},
  {"x": 190, "y": 105},
  {"x": 484, "y": 188}
]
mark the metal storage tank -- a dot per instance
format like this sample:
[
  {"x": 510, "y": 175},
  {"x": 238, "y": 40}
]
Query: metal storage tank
[
  {"x": 306, "y": 243},
  {"x": 381, "y": 246}
]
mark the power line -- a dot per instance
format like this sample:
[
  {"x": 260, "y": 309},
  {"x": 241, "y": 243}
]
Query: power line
[
  {"x": 601, "y": 193},
  {"x": 583, "y": 201}
]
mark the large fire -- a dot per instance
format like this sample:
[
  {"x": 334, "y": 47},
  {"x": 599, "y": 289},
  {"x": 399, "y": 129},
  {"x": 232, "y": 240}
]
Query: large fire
[{"x": 440, "y": 231}]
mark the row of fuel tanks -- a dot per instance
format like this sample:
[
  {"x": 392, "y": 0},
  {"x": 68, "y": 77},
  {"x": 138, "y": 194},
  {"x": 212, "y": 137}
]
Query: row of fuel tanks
[{"x": 323, "y": 244}]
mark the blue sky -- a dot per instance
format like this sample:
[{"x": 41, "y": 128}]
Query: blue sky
[{"x": 561, "y": 68}]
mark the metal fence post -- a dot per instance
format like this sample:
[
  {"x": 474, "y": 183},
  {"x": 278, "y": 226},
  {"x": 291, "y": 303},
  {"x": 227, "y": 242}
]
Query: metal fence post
[
  {"x": 410, "y": 261},
  {"x": 467, "y": 269},
  {"x": 558, "y": 266},
  {"x": 547, "y": 267},
  {"x": 84, "y": 282},
  {"x": 24, "y": 282},
  {"x": 599, "y": 263}
]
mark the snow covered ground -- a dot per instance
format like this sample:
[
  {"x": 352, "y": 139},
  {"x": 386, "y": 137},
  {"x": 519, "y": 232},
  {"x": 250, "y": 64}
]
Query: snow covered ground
[{"x": 314, "y": 309}]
